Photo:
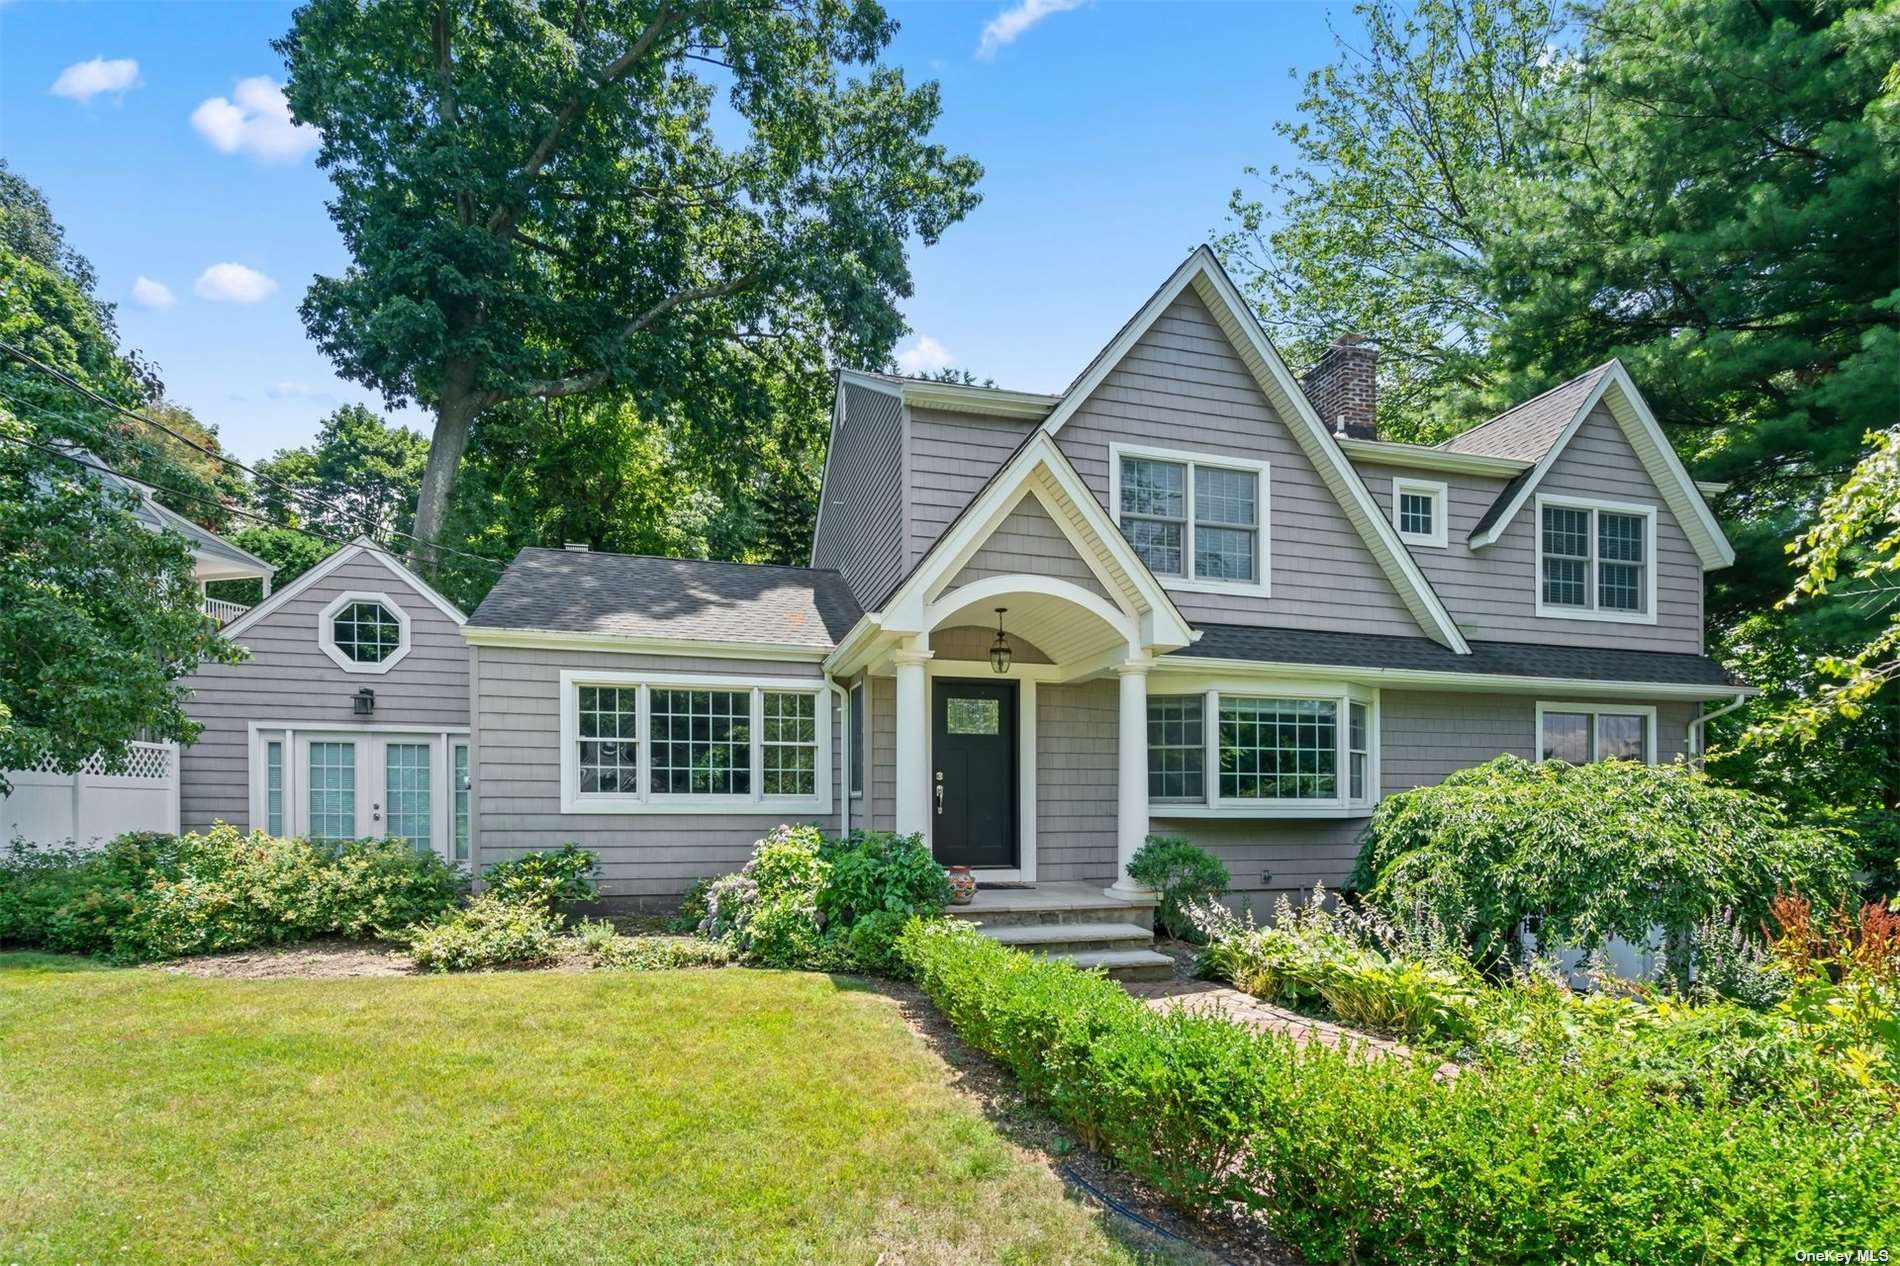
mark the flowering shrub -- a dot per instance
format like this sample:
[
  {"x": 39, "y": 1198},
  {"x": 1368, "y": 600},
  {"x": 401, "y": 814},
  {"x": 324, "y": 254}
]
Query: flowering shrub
[
  {"x": 147, "y": 896},
  {"x": 490, "y": 931}
]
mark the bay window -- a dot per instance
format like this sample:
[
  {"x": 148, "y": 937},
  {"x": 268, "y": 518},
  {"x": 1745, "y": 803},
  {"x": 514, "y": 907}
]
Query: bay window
[
  {"x": 660, "y": 742},
  {"x": 1596, "y": 560},
  {"x": 1264, "y": 753},
  {"x": 1198, "y": 521}
]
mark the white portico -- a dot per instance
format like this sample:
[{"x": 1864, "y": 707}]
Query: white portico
[{"x": 1035, "y": 566}]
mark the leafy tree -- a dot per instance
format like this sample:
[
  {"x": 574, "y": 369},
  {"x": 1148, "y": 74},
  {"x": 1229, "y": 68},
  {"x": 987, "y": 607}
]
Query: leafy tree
[
  {"x": 359, "y": 478},
  {"x": 98, "y": 616},
  {"x": 538, "y": 204},
  {"x": 1384, "y": 225},
  {"x": 290, "y": 551}
]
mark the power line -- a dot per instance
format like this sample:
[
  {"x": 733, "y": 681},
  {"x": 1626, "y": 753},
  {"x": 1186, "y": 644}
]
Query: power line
[{"x": 307, "y": 499}]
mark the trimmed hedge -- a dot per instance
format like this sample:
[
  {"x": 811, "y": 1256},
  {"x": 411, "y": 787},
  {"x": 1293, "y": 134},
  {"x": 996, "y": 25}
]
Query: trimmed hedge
[{"x": 1375, "y": 1160}]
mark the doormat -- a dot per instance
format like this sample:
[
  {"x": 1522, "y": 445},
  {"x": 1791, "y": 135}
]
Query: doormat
[{"x": 990, "y": 887}]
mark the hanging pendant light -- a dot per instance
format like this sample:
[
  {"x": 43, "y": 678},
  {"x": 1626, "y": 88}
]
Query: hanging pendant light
[{"x": 1000, "y": 653}]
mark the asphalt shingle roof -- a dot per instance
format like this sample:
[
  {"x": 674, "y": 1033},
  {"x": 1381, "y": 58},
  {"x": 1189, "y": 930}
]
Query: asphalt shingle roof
[
  {"x": 1526, "y": 431},
  {"x": 1508, "y": 659},
  {"x": 635, "y": 595}
]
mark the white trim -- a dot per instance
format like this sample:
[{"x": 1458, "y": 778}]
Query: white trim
[
  {"x": 369, "y": 742},
  {"x": 1593, "y": 612},
  {"x": 1594, "y": 710},
  {"x": 1026, "y": 677},
  {"x": 1341, "y": 693},
  {"x": 951, "y": 601},
  {"x": 1261, "y": 585},
  {"x": 362, "y": 545},
  {"x": 1477, "y": 683},
  {"x": 549, "y": 639},
  {"x": 645, "y": 801},
  {"x": 326, "y": 631},
  {"x": 1270, "y": 372},
  {"x": 1440, "y": 494},
  {"x": 1652, "y": 447},
  {"x": 1419, "y": 457},
  {"x": 856, "y": 744}
]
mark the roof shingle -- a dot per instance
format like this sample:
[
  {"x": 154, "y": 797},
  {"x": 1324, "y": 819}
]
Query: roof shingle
[
  {"x": 1526, "y": 431},
  {"x": 636, "y": 595}
]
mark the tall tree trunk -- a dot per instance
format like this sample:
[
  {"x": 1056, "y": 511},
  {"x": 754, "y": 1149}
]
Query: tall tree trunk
[{"x": 454, "y": 414}]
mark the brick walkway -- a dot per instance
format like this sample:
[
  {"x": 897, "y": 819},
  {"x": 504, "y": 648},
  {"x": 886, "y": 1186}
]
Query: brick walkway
[{"x": 1207, "y": 995}]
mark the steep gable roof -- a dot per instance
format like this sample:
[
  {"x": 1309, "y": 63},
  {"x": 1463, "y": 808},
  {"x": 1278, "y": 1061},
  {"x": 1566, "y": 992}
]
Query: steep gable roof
[
  {"x": 1554, "y": 418},
  {"x": 361, "y": 546},
  {"x": 1203, "y": 272}
]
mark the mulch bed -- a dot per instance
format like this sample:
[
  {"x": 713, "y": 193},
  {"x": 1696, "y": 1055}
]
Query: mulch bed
[{"x": 312, "y": 959}]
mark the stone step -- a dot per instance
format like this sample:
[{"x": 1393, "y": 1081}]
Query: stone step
[
  {"x": 1023, "y": 914},
  {"x": 1071, "y": 938},
  {"x": 1131, "y": 964}
]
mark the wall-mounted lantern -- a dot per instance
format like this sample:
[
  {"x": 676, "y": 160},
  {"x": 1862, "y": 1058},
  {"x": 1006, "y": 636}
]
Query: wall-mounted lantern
[
  {"x": 364, "y": 704},
  {"x": 1000, "y": 654}
]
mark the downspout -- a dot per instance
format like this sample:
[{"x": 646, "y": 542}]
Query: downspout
[
  {"x": 844, "y": 746},
  {"x": 1700, "y": 735}
]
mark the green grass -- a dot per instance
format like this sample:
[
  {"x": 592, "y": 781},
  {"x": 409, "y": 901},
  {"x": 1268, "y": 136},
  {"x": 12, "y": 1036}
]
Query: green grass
[{"x": 664, "y": 1117}]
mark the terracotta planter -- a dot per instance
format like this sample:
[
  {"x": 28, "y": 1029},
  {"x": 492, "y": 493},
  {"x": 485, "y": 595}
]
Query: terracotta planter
[{"x": 962, "y": 886}]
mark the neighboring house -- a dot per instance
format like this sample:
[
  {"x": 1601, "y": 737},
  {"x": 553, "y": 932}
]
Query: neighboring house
[
  {"x": 1231, "y": 613},
  {"x": 94, "y": 803},
  {"x": 349, "y": 719}
]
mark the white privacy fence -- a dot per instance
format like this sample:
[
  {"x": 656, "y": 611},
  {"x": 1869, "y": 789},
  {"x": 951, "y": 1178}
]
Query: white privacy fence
[{"x": 92, "y": 805}]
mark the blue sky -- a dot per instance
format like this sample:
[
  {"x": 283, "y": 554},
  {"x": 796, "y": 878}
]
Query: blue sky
[{"x": 1111, "y": 133}]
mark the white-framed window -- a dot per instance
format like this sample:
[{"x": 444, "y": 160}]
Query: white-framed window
[
  {"x": 374, "y": 781},
  {"x": 332, "y": 781},
  {"x": 684, "y": 742},
  {"x": 363, "y": 632},
  {"x": 1596, "y": 560},
  {"x": 1263, "y": 751},
  {"x": 858, "y": 739},
  {"x": 1584, "y": 732},
  {"x": 464, "y": 797},
  {"x": 408, "y": 803},
  {"x": 1420, "y": 508},
  {"x": 274, "y": 787},
  {"x": 1199, "y": 522}
]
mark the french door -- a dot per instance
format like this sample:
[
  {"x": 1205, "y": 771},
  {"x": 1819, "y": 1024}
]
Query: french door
[{"x": 340, "y": 786}]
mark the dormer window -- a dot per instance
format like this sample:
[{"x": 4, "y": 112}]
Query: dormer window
[
  {"x": 1419, "y": 511},
  {"x": 1596, "y": 560},
  {"x": 363, "y": 632},
  {"x": 1197, "y": 522}
]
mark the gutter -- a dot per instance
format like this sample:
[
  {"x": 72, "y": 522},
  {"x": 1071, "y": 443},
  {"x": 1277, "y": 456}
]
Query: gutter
[
  {"x": 1700, "y": 734},
  {"x": 844, "y": 747}
]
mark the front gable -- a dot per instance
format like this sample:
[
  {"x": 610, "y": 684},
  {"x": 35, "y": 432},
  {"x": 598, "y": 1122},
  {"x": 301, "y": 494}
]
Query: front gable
[
  {"x": 1029, "y": 542},
  {"x": 1192, "y": 374}
]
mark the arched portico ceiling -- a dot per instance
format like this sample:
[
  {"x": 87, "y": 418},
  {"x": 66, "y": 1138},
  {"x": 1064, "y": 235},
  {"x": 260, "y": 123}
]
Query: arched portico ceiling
[{"x": 1069, "y": 624}]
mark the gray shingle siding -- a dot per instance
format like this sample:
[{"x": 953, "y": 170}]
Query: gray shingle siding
[
  {"x": 1183, "y": 387},
  {"x": 952, "y": 455},
  {"x": 289, "y": 680},
  {"x": 1076, "y": 778},
  {"x": 517, "y": 776},
  {"x": 862, "y": 525},
  {"x": 1028, "y": 542},
  {"x": 1492, "y": 592}
]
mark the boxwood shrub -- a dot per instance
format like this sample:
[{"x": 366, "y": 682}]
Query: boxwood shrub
[{"x": 1354, "y": 1158}]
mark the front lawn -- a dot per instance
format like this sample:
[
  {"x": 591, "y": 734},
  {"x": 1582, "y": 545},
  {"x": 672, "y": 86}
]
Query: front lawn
[{"x": 664, "y": 1117}]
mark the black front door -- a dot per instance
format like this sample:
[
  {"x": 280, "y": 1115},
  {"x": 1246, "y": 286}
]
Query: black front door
[{"x": 973, "y": 784}]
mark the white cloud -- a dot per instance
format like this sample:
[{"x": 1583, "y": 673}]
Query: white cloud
[
  {"x": 152, "y": 294},
  {"x": 255, "y": 121},
  {"x": 82, "y": 81},
  {"x": 1013, "y": 21},
  {"x": 924, "y": 355},
  {"x": 233, "y": 283},
  {"x": 290, "y": 389}
]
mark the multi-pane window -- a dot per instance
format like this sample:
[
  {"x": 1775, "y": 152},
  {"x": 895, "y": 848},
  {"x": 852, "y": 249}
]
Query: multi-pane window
[
  {"x": 608, "y": 721},
  {"x": 1566, "y": 557},
  {"x": 463, "y": 796},
  {"x": 1192, "y": 521},
  {"x": 1226, "y": 518},
  {"x": 789, "y": 746},
  {"x": 1154, "y": 513},
  {"x": 1593, "y": 559},
  {"x": 332, "y": 791},
  {"x": 702, "y": 742},
  {"x": 1417, "y": 514},
  {"x": 1177, "y": 748},
  {"x": 1278, "y": 749},
  {"x": 274, "y": 787},
  {"x": 366, "y": 632},
  {"x": 406, "y": 792},
  {"x": 1358, "y": 749},
  {"x": 1582, "y": 735},
  {"x": 858, "y": 739}
]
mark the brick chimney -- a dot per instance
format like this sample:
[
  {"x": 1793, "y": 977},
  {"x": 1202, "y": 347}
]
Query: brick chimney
[{"x": 1344, "y": 385}]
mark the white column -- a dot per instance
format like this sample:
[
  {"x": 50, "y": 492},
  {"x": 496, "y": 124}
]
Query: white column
[
  {"x": 913, "y": 728},
  {"x": 1131, "y": 812}
]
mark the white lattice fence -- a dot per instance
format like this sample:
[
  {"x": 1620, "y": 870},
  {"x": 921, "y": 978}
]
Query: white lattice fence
[{"x": 94, "y": 805}]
